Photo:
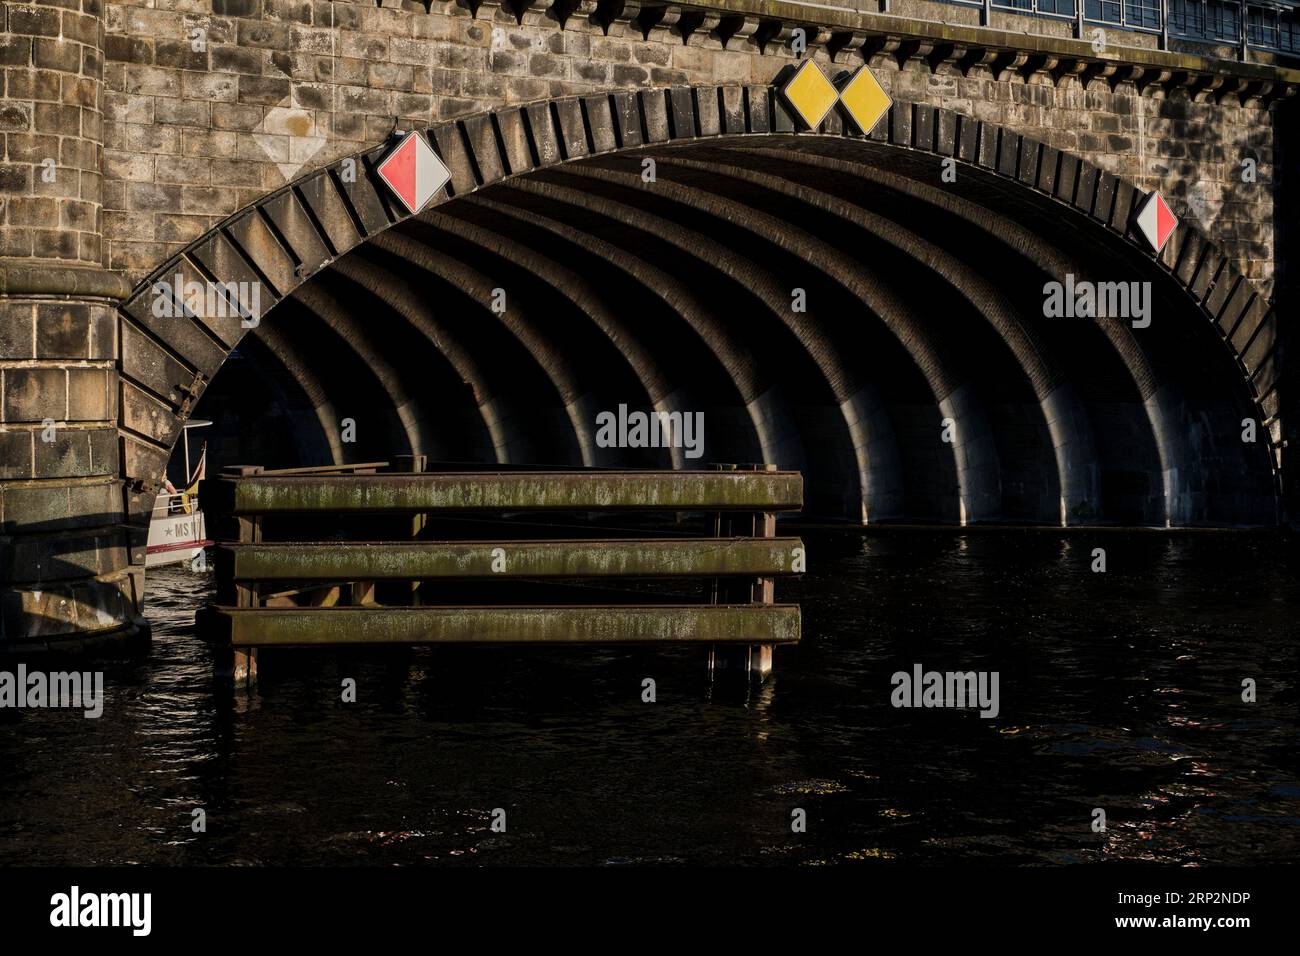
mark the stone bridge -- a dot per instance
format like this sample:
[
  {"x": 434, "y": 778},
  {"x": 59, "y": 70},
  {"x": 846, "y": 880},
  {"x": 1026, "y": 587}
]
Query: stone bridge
[{"x": 635, "y": 217}]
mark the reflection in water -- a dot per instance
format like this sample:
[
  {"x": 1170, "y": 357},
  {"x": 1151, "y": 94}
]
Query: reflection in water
[{"x": 1118, "y": 690}]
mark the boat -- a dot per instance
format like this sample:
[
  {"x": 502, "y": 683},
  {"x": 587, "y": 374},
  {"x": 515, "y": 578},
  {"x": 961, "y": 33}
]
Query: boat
[{"x": 177, "y": 533}]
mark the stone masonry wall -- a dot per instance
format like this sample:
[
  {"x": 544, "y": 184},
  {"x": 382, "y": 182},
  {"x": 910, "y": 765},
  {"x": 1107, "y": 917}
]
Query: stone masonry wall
[
  {"x": 196, "y": 130},
  {"x": 62, "y": 551},
  {"x": 51, "y": 70}
]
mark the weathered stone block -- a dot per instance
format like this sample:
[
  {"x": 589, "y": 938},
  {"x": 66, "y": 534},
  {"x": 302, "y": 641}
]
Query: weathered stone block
[
  {"x": 625, "y": 75},
  {"x": 264, "y": 33},
  {"x": 15, "y": 118},
  {"x": 183, "y": 229},
  {"x": 92, "y": 394},
  {"x": 209, "y": 87},
  {"x": 510, "y": 125},
  {"x": 15, "y": 454},
  {"x": 146, "y": 416},
  {"x": 180, "y": 54},
  {"x": 266, "y": 90},
  {"x": 181, "y": 112},
  {"x": 226, "y": 59},
  {"x": 68, "y": 455},
  {"x": 151, "y": 197},
  {"x": 327, "y": 206},
  {"x": 57, "y": 505},
  {"x": 53, "y": 244},
  {"x": 25, "y": 211},
  {"x": 15, "y": 179},
  {"x": 34, "y": 394},
  {"x": 15, "y": 50},
  {"x": 153, "y": 80},
  {"x": 64, "y": 330},
  {"x": 152, "y": 139},
  {"x": 237, "y": 8},
  {"x": 34, "y": 21}
]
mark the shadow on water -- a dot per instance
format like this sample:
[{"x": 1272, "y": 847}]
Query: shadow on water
[{"x": 1119, "y": 691}]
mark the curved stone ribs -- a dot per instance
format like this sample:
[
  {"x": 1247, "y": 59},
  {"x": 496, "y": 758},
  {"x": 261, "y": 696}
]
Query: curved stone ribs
[{"x": 291, "y": 235}]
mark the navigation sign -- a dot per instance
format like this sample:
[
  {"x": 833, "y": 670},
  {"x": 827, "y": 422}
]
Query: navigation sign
[
  {"x": 812, "y": 96},
  {"x": 1156, "y": 221},
  {"x": 414, "y": 172},
  {"x": 864, "y": 99}
]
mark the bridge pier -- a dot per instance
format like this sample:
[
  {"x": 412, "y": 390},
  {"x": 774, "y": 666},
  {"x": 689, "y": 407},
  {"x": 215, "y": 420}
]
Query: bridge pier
[
  {"x": 66, "y": 576},
  {"x": 66, "y": 572}
]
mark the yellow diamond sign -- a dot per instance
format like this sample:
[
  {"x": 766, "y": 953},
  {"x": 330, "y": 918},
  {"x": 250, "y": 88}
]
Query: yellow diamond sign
[
  {"x": 864, "y": 99},
  {"x": 811, "y": 94}
]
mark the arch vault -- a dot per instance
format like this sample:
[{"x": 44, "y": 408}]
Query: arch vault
[{"x": 924, "y": 304}]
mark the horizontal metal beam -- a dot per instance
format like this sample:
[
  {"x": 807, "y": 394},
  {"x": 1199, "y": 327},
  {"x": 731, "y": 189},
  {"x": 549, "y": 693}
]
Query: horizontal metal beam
[
  {"x": 646, "y": 557},
  {"x": 666, "y": 624},
  {"x": 509, "y": 491},
  {"x": 368, "y": 467}
]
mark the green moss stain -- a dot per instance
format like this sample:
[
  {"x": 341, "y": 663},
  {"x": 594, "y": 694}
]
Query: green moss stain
[{"x": 682, "y": 490}]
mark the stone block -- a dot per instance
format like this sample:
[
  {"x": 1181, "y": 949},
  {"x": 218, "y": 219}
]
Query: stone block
[
  {"x": 34, "y": 394},
  {"x": 92, "y": 394}
]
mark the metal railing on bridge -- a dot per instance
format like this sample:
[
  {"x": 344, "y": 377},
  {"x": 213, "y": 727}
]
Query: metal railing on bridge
[
  {"x": 347, "y": 555},
  {"x": 1273, "y": 27}
]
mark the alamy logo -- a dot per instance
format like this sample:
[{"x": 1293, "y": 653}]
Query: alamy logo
[
  {"x": 73, "y": 909},
  {"x": 212, "y": 300},
  {"x": 1098, "y": 300},
  {"x": 36, "y": 689},
  {"x": 923, "y": 688},
  {"x": 653, "y": 430}
]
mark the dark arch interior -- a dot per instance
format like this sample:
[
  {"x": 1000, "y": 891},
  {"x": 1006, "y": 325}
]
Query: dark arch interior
[{"x": 922, "y": 302}]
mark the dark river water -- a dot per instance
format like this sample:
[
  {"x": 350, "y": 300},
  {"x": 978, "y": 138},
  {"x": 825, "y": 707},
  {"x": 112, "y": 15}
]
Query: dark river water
[{"x": 1120, "y": 691}]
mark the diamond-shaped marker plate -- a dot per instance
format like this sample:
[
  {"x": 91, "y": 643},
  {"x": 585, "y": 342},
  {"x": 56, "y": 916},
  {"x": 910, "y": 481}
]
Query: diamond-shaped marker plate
[
  {"x": 1156, "y": 221},
  {"x": 413, "y": 172},
  {"x": 864, "y": 99},
  {"x": 810, "y": 94}
]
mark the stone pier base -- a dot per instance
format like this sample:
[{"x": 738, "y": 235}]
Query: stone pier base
[{"x": 66, "y": 570}]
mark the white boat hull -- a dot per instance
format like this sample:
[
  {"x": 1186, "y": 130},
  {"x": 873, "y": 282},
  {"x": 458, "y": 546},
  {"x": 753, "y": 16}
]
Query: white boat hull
[{"x": 175, "y": 538}]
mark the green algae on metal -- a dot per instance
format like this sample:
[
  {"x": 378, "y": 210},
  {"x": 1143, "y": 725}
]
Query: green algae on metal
[
  {"x": 521, "y": 491},
  {"x": 653, "y": 557},
  {"x": 706, "y": 624}
]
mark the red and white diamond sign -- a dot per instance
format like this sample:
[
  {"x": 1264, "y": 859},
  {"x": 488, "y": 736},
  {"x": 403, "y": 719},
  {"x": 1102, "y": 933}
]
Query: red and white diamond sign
[
  {"x": 414, "y": 172},
  {"x": 1156, "y": 221}
]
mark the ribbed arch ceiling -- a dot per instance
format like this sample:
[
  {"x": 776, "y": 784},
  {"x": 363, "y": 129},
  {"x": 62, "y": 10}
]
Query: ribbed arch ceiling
[{"x": 924, "y": 303}]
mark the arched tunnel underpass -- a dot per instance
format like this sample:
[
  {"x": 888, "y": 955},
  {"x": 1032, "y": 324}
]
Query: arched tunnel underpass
[{"x": 828, "y": 303}]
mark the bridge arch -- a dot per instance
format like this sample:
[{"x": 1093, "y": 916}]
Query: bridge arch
[{"x": 925, "y": 304}]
